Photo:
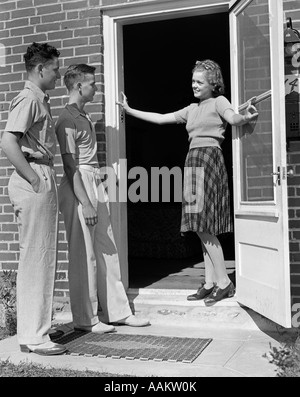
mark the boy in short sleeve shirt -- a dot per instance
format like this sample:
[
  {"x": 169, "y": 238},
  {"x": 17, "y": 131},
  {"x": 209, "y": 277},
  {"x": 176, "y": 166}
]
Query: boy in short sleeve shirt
[{"x": 29, "y": 143}]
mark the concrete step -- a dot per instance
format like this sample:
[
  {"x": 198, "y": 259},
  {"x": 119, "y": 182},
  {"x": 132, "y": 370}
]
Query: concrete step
[{"x": 171, "y": 307}]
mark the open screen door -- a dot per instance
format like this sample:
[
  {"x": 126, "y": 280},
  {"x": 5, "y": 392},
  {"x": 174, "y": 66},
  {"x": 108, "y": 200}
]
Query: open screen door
[{"x": 259, "y": 150}]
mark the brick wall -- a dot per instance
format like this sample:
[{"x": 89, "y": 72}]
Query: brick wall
[
  {"x": 294, "y": 217},
  {"x": 73, "y": 27},
  {"x": 292, "y": 9}
]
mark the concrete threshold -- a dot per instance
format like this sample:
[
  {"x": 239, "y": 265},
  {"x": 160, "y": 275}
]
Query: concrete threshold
[{"x": 167, "y": 307}]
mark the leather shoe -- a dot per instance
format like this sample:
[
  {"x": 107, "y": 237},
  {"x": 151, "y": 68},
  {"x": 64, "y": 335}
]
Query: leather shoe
[
  {"x": 200, "y": 294},
  {"x": 133, "y": 321},
  {"x": 219, "y": 294},
  {"x": 44, "y": 349},
  {"x": 99, "y": 328}
]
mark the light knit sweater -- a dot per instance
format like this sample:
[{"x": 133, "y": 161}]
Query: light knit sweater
[{"x": 205, "y": 121}]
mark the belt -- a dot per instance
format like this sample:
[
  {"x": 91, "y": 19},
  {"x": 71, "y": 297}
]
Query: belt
[{"x": 48, "y": 162}]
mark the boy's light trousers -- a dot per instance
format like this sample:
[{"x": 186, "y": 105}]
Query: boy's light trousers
[
  {"x": 37, "y": 216},
  {"x": 94, "y": 269}
]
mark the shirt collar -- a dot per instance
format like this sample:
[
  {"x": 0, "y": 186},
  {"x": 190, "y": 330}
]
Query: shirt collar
[
  {"x": 74, "y": 111},
  {"x": 37, "y": 91}
]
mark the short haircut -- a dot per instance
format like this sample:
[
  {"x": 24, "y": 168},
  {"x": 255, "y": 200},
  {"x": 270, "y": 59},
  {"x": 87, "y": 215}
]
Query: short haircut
[
  {"x": 214, "y": 75},
  {"x": 39, "y": 53},
  {"x": 77, "y": 73}
]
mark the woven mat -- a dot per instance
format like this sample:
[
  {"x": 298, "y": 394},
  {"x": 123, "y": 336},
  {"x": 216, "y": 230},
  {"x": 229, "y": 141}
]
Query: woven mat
[{"x": 134, "y": 347}]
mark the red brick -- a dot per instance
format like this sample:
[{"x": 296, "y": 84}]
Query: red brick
[
  {"x": 8, "y": 209},
  {"x": 294, "y": 224},
  {"x": 43, "y": 2},
  {"x": 79, "y": 41},
  {"x": 7, "y": 218},
  {"x": 16, "y": 23},
  {"x": 58, "y": 294},
  {"x": 95, "y": 59},
  {"x": 295, "y": 181},
  {"x": 10, "y": 96},
  {"x": 42, "y": 37},
  {"x": 9, "y": 227},
  {"x": 24, "y": 3},
  {"x": 86, "y": 32},
  {"x": 72, "y": 15},
  {"x": 70, "y": 61},
  {"x": 8, "y": 256},
  {"x": 22, "y": 31},
  {"x": 17, "y": 86},
  {"x": 54, "y": 17},
  {"x": 65, "y": 34},
  {"x": 87, "y": 50},
  {"x": 48, "y": 27},
  {"x": 35, "y": 20},
  {"x": 4, "y": 34},
  {"x": 25, "y": 12},
  {"x": 75, "y": 24},
  {"x": 4, "y": 16},
  {"x": 61, "y": 285},
  {"x": 51, "y": 9},
  {"x": 11, "y": 41},
  {"x": 294, "y": 247},
  {"x": 20, "y": 49},
  {"x": 6, "y": 237},
  {"x": 95, "y": 22},
  {"x": 66, "y": 53},
  {"x": 14, "y": 247},
  {"x": 291, "y": 192},
  {"x": 74, "y": 5},
  {"x": 95, "y": 40},
  {"x": 10, "y": 266},
  {"x": 90, "y": 14},
  {"x": 8, "y": 6}
]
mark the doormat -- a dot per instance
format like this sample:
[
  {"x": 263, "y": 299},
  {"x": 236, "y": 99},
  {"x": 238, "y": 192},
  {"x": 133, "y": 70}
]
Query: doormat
[{"x": 133, "y": 347}]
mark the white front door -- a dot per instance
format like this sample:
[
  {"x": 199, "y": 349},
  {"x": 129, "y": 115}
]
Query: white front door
[{"x": 260, "y": 172}]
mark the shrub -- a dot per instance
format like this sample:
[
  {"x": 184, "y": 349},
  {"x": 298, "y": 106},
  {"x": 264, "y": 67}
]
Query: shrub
[
  {"x": 8, "y": 298},
  {"x": 287, "y": 360}
]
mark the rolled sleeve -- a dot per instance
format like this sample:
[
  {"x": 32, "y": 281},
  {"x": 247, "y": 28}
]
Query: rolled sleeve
[{"x": 66, "y": 135}]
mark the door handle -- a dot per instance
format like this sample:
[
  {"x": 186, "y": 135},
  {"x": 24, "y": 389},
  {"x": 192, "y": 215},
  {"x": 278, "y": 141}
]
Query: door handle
[
  {"x": 278, "y": 175},
  {"x": 288, "y": 174}
]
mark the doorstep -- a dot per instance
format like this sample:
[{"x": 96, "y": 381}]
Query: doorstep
[
  {"x": 171, "y": 307},
  {"x": 166, "y": 307}
]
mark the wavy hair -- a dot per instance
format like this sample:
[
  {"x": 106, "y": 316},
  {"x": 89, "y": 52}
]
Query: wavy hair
[
  {"x": 214, "y": 75},
  {"x": 39, "y": 53}
]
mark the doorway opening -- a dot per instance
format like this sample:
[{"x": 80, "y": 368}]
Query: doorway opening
[{"x": 158, "y": 60}]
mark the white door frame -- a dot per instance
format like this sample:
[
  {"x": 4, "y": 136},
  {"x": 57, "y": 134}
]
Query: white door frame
[{"x": 114, "y": 17}]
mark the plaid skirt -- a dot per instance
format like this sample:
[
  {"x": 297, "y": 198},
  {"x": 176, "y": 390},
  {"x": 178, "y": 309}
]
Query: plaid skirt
[{"x": 206, "y": 198}]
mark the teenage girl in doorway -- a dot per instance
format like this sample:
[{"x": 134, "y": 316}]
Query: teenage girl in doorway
[{"x": 206, "y": 177}]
